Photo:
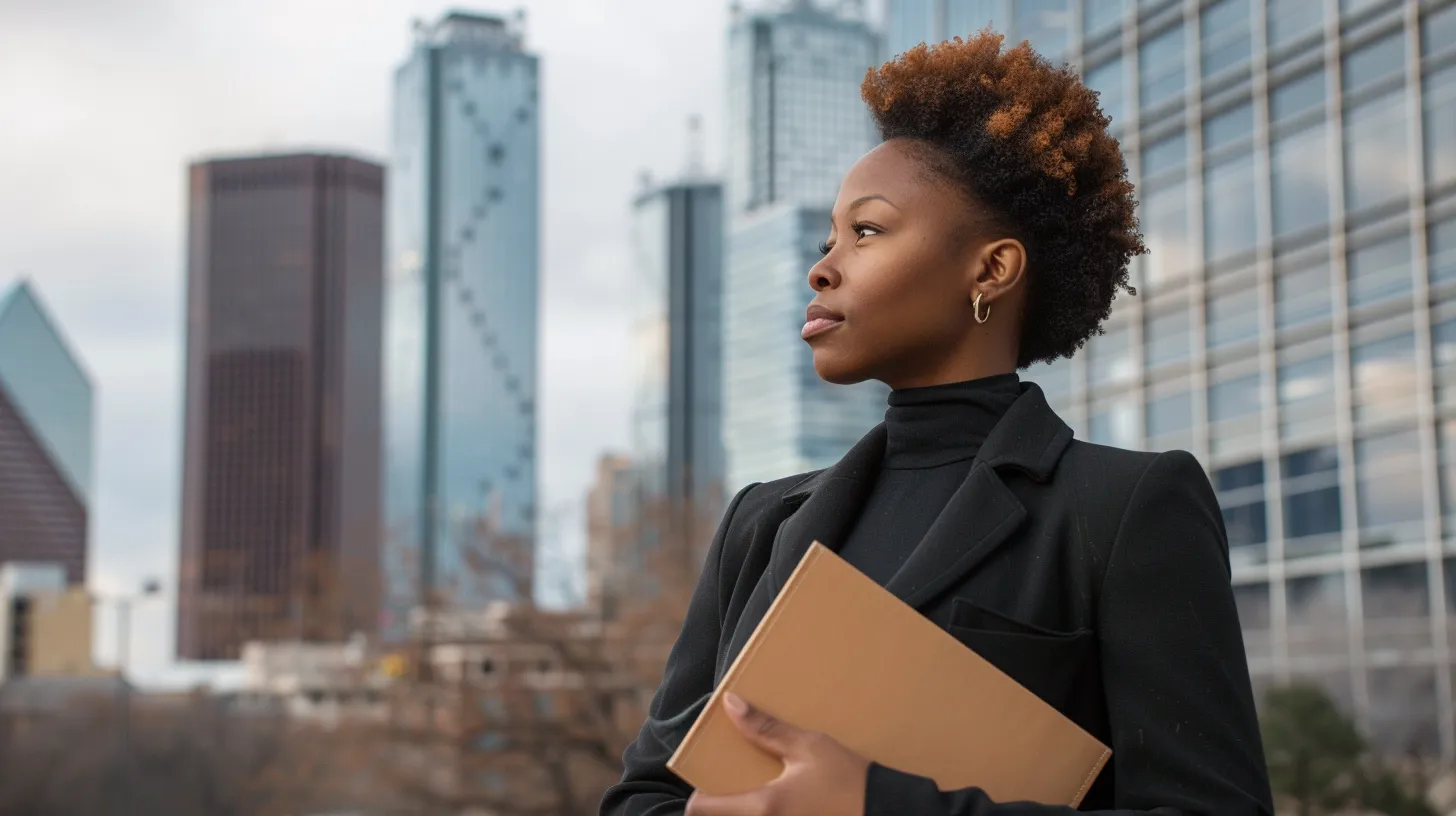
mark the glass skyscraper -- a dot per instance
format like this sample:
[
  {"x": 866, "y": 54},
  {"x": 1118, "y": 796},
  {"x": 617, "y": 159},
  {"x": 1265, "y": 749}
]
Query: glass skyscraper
[
  {"x": 677, "y": 354},
  {"x": 46, "y": 425},
  {"x": 1296, "y": 322},
  {"x": 461, "y": 317},
  {"x": 796, "y": 124},
  {"x": 1046, "y": 23}
]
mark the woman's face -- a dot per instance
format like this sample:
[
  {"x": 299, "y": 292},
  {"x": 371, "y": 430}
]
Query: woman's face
[{"x": 894, "y": 294}]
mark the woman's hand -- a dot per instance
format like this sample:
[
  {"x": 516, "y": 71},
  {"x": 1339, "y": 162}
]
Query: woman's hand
[{"x": 820, "y": 777}]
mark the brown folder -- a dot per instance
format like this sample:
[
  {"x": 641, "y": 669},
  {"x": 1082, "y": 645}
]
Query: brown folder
[{"x": 838, "y": 653}]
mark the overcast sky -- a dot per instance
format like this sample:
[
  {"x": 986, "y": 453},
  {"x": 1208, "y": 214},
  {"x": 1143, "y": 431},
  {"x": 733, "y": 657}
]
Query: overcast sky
[{"x": 103, "y": 103}]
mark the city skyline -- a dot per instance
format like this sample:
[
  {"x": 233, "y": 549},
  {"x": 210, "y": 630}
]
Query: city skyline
[{"x": 325, "y": 85}]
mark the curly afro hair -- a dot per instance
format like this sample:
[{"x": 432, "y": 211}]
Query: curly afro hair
[{"x": 1028, "y": 143}]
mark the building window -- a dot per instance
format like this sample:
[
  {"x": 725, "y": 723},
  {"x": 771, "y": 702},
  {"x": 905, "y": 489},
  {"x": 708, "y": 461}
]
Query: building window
[
  {"x": 1055, "y": 378},
  {"x": 1403, "y": 700},
  {"x": 1241, "y": 496},
  {"x": 1299, "y": 95},
  {"x": 1169, "y": 334},
  {"x": 1100, "y": 16},
  {"x": 1388, "y": 488},
  {"x": 1111, "y": 358},
  {"x": 1114, "y": 422},
  {"x": 1233, "y": 316},
  {"x": 1439, "y": 99},
  {"x": 1397, "y": 606},
  {"x": 1165, "y": 155},
  {"x": 1307, "y": 396},
  {"x": 1438, "y": 30},
  {"x": 1170, "y": 415},
  {"x": 1300, "y": 183},
  {"x": 1380, "y": 271},
  {"x": 1161, "y": 68},
  {"x": 1307, "y": 381},
  {"x": 1384, "y": 376},
  {"x": 1224, "y": 28},
  {"x": 1302, "y": 296},
  {"x": 1254, "y": 606},
  {"x": 1233, "y": 125},
  {"x": 1167, "y": 233},
  {"x": 1108, "y": 81},
  {"x": 1317, "y": 615},
  {"x": 1376, "y": 170},
  {"x": 1379, "y": 60},
  {"x": 1311, "y": 501},
  {"x": 1291, "y": 20},
  {"x": 1441, "y": 251},
  {"x": 1231, "y": 217},
  {"x": 1233, "y": 398},
  {"x": 1447, "y": 452}
]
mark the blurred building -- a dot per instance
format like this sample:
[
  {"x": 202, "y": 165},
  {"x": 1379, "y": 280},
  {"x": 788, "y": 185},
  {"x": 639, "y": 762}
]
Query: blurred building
[
  {"x": 614, "y": 509},
  {"x": 1047, "y": 24},
  {"x": 46, "y": 405},
  {"x": 325, "y": 683},
  {"x": 796, "y": 125},
  {"x": 45, "y": 623},
  {"x": 281, "y": 482},
  {"x": 1295, "y": 325},
  {"x": 460, "y": 360},
  {"x": 677, "y": 357}
]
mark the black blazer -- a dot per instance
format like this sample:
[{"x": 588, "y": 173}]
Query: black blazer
[{"x": 1096, "y": 577}]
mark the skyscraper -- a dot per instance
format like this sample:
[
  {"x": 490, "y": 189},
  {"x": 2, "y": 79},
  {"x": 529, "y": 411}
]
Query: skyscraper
[
  {"x": 1046, "y": 24},
  {"x": 460, "y": 359},
  {"x": 1295, "y": 324},
  {"x": 677, "y": 354},
  {"x": 46, "y": 406},
  {"x": 280, "y": 528},
  {"x": 796, "y": 124}
]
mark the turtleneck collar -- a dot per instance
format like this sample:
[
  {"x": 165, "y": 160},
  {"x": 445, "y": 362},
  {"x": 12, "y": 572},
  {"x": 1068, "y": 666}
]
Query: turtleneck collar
[{"x": 939, "y": 424}]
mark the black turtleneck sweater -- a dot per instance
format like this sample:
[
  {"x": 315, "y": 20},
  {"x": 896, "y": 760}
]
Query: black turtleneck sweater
[{"x": 932, "y": 437}]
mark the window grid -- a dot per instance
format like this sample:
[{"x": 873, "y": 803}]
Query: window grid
[{"x": 1191, "y": 373}]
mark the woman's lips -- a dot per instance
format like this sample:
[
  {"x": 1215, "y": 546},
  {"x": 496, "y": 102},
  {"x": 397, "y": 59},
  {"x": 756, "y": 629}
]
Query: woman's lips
[{"x": 819, "y": 325}]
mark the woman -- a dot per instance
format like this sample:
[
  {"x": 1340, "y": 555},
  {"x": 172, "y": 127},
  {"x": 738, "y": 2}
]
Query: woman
[{"x": 989, "y": 231}]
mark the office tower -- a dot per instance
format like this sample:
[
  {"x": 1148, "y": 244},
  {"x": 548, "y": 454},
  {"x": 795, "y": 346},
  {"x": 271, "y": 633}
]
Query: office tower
[
  {"x": 677, "y": 357},
  {"x": 796, "y": 124},
  {"x": 613, "y": 555},
  {"x": 460, "y": 359},
  {"x": 1295, "y": 324},
  {"x": 1046, "y": 24},
  {"x": 46, "y": 406},
  {"x": 280, "y": 491}
]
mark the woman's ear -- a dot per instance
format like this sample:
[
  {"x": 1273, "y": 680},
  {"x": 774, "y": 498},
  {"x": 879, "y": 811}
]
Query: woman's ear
[{"x": 1001, "y": 269}]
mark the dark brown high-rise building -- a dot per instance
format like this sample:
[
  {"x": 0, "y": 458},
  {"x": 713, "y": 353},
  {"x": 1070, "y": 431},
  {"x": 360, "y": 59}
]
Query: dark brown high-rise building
[
  {"x": 281, "y": 480},
  {"x": 45, "y": 438}
]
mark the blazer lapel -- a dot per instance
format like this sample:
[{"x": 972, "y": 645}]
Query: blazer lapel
[
  {"x": 981, "y": 515},
  {"x": 831, "y": 501},
  {"x": 983, "y": 512}
]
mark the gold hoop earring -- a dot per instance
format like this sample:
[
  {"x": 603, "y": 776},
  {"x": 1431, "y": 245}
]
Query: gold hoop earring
[{"x": 976, "y": 306}]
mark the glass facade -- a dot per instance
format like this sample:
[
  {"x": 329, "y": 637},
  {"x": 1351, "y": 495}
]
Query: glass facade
[
  {"x": 1047, "y": 24},
  {"x": 797, "y": 122},
  {"x": 797, "y": 125},
  {"x": 461, "y": 317},
  {"x": 47, "y": 384},
  {"x": 46, "y": 426},
  {"x": 677, "y": 353},
  {"x": 1312, "y": 371},
  {"x": 781, "y": 419}
]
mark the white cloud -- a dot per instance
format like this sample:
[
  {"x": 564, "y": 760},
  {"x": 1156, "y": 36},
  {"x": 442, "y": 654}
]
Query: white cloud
[{"x": 105, "y": 103}]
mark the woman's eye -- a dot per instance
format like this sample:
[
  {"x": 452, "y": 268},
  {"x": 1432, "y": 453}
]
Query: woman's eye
[{"x": 863, "y": 229}]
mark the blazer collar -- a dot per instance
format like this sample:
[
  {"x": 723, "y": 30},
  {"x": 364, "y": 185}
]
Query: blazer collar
[
  {"x": 981, "y": 515},
  {"x": 1030, "y": 438}
]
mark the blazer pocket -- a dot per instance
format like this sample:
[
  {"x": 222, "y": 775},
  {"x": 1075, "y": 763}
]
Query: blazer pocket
[{"x": 1048, "y": 663}]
